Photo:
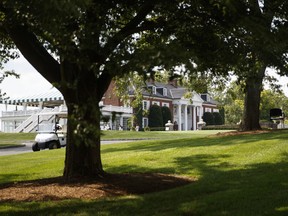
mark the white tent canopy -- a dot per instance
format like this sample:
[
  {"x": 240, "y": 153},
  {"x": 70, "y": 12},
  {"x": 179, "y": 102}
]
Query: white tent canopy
[{"x": 50, "y": 98}]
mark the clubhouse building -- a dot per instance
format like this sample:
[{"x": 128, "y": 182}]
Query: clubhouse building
[{"x": 187, "y": 108}]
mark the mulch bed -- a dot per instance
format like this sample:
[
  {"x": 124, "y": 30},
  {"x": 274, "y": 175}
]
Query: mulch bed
[
  {"x": 235, "y": 133},
  {"x": 112, "y": 185}
]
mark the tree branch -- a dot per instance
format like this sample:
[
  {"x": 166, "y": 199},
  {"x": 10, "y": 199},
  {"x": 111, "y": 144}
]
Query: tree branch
[
  {"x": 131, "y": 26},
  {"x": 103, "y": 83},
  {"x": 29, "y": 46},
  {"x": 34, "y": 52}
]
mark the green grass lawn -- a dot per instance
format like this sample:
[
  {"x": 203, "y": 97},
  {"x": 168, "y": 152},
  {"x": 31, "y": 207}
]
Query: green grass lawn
[
  {"x": 238, "y": 175},
  {"x": 123, "y": 135},
  {"x": 15, "y": 139}
]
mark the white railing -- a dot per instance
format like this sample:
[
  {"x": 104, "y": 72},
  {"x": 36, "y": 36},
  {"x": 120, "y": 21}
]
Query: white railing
[
  {"x": 19, "y": 113},
  {"x": 31, "y": 123},
  {"x": 122, "y": 109},
  {"x": 34, "y": 117},
  {"x": 40, "y": 119},
  {"x": 26, "y": 123}
]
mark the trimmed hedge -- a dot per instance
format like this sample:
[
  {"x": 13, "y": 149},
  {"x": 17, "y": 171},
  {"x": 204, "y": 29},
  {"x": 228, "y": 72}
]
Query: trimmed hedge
[
  {"x": 208, "y": 117},
  {"x": 218, "y": 120},
  {"x": 157, "y": 129},
  {"x": 155, "y": 116},
  {"x": 166, "y": 114}
]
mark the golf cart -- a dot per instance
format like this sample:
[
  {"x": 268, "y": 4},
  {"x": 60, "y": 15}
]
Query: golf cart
[{"x": 51, "y": 131}]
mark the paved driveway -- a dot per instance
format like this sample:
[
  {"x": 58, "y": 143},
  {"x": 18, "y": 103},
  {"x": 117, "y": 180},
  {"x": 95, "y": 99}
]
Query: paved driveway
[{"x": 28, "y": 147}]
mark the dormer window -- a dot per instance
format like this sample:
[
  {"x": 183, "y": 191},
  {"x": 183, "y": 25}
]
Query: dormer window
[
  {"x": 152, "y": 89},
  {"x": 206, "y": 97},
  {"x": 164, "y": 91}
]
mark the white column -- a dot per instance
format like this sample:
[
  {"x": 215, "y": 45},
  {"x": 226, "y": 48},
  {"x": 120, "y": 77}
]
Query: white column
[
  {"x": 201, "y": 112},
  {"x": 179, "y": 117},
  {"x": 185, "y": 118},
  {"x": 40, "y": 105},
  {"x": 110, "y": 123},
  {"x": 121, "y": 123},
  {"x": 24, "y": 106},
  {"x": 194, "y": 118}
]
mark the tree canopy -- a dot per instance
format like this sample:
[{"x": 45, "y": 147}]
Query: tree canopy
[
  {"x": 242, "y": 38},
  {"x": 79, "y": 46}
]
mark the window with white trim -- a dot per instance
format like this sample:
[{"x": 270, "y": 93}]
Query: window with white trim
[
  {"x": 207, "y": 109},
  {"x": 164, "y": 91},
  {"x": 156, "y": 103},
  {"x": 146, "y": 105},
  {"x": 165, "y": 104},
  {"x": 152, "y": 89},
  {"x": 145, "y": 122}
]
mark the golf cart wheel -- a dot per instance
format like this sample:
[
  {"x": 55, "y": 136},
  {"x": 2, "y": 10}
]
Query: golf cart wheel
[
  {"x": 53, "y": 145},
  {"x": 35, "y": 147}
]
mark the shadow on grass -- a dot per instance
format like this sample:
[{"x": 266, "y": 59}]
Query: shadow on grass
[
  {"x": 222, "y": 189},
  {"x": 198, "y": 142},
  {"x": 9, "y": 177},
  {"x": 254, "y": 190}
]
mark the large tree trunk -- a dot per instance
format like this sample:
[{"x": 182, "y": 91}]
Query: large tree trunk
[
  {"x": 254, "y": 86},
  {"x": 83, "y": 156}
]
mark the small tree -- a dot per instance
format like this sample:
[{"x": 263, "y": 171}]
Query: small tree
[
  {"x": 166, "y": 114},
  {"x": 208, "y": 117},
  {"x": 155, "y": 116}
]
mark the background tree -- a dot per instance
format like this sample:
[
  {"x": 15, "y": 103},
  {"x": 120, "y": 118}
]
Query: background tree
[
  {"x": 6, "y": 53},
  {"x": 272, "y": 99},
  {"x": 246, "y": 39},
  {"x": 231, "y": 99},
  {"x": 256, "y": 23}
]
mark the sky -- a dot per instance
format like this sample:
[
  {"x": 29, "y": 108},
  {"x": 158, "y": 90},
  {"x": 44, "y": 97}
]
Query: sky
[{"x": 32, "y": 83}]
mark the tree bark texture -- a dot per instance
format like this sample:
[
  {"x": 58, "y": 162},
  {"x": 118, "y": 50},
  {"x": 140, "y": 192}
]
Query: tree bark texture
[
  {"x": 253, "y": 89},
  {"x": 83, "y": 156}
]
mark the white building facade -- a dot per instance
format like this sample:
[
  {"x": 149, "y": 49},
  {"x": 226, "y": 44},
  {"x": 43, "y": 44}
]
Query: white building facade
[{"x": 186, "y": 107}]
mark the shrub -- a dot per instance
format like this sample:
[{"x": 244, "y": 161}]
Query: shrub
[
  {"x": 222, "y": 113},
  {"x": 146, "y": 129},
  {"x": 166, "y": 114},
  {"x": 208, "y": 117},
  {"x": 155, "y": 116},
  {"x": 218, "y": 120}
]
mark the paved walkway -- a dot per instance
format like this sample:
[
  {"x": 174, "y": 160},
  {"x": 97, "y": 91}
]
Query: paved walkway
[{"x": 27, "y": 147}]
